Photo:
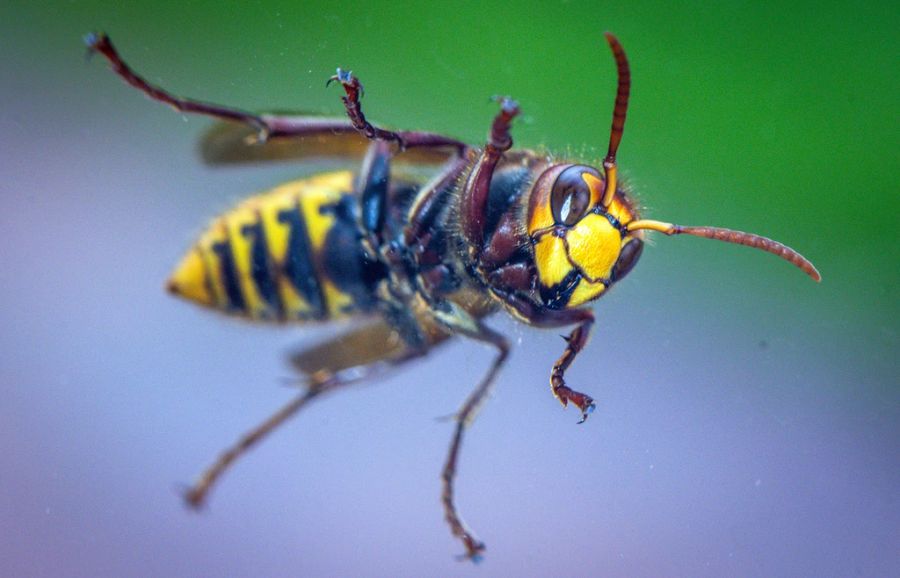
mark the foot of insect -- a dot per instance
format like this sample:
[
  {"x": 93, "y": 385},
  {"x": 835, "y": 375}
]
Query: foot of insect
[
  {"x": 354, "y": 91},
  {"x": 194, "y": 497},
  {"x": 474, "y": 549},
  {"x": 350, "y": 83},
  {"x": 580, "y": 400}
]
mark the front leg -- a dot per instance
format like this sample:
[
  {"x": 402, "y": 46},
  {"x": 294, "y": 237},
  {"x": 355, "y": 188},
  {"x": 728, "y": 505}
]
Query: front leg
[
  {"x": 473, "y": 205},
  {"x": 404, "y": 139},
  {"x": 575, "y": 342},
  {"x": 539, "y": 316}
]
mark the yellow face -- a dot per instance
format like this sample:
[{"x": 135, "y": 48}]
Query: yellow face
[{"x": 577, "y": 242}]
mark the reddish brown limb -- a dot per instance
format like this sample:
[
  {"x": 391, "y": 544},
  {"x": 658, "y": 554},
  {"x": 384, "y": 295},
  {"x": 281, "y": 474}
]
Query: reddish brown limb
[
  {"x": 473, "y": 205},
  {"x": 346, "y": 360},
  {"x": 100, "y": 43},
  {"x": 575, "y": 342},
  {"x": 195, "y": 496},
  {"x": 267, "y": 126},
  {"x": 466, "y": 414},
  {"x": 540, "y": 316},
  {"x": 354, "y": 90}
]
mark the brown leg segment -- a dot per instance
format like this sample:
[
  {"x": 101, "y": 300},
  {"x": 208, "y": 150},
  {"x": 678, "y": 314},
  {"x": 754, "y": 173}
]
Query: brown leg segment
[
  {"x": 102, "y": 44},
  {"x": 343, "y": 361},
  {"x": 464, "y": 417},
  {"x": 473, "y": 205},
  {"x": 354, "y": 90},
  {"x": 267, "y": 125},
  {"x": 575, "y": 342},
  {"x": 195, "y": 496}
]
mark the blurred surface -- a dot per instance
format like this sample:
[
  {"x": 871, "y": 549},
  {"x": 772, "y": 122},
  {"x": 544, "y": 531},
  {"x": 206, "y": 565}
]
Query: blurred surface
[{"x": 748, "y": 419}]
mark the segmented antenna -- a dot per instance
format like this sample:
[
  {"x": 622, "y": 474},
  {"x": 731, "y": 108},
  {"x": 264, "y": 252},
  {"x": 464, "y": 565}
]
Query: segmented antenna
[
  {"x": 618, "y": 121},
  {"x": 729, "y": 236},
  {"x": 621, "y": 106}
]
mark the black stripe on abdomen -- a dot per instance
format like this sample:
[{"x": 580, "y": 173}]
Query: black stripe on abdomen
[
  {"x": 298, "y": 261},
  {"x": 261, "y": 266},
  {"x": 229, "y": 276}
]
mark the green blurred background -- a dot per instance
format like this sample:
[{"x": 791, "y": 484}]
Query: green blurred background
[{"x": 749, "y": 418}]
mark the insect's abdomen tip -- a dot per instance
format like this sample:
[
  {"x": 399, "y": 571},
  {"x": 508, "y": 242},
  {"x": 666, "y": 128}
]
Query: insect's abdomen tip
[{"x": 189, "y": 279}]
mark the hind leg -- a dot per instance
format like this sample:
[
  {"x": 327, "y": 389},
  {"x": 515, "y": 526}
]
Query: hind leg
[{"x": 361, "y": 355}]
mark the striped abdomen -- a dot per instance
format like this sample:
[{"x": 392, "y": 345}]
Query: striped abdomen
[{"x": 292, "y": 253}]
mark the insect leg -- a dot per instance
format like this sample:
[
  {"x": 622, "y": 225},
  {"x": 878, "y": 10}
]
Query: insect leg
[
  {"x": 575, "y": 342},
  {"x": 462, "y": 323},
  {"x": 265, "y": 126},
  {"x": 473, "y": 207},
  {"x": 358, "y": 356},
  {"x": 195, "y": 495},
  {"x": 404, "y": 139},
  {"x": 428, "y": 202},
  {"x": 372, "y": 188}
]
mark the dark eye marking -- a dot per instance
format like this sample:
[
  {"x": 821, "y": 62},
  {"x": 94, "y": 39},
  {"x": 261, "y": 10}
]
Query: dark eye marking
[{"x": 570, "y": 197}]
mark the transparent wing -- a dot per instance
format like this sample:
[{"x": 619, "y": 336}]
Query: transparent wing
[{"x": 328, "y": 141}]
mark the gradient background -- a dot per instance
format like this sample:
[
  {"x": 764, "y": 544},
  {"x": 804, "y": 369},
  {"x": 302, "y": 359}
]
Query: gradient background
[{"x": 748, "y": 419}]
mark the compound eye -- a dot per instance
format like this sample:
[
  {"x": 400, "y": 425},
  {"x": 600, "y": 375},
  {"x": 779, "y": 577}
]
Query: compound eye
[
  {"x": 570, "y": 198},
  {"x": 628, "y": 258}
]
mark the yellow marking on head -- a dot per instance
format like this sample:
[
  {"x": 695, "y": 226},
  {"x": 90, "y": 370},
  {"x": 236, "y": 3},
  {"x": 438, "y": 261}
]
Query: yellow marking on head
[
  {"x": 621, "y": 211},
  {"x": 188, "y": 280},
  {"x": 551, "y": 260},
  {"x": 595, "y": 185},
  {"x": 585, "y": 292},
  {"x": 594, "y": 246},
  {"x": 609, "y": 167},
  {"x": 541, "y": 218}
]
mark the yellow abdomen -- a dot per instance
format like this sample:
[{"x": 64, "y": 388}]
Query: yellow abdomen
[{"x": 291, "y": 253}]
